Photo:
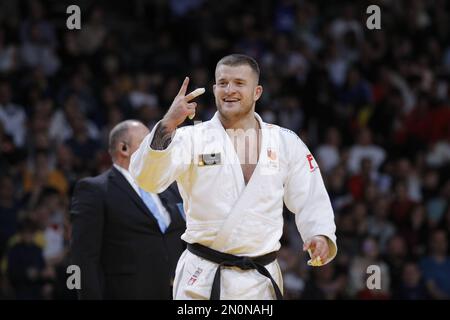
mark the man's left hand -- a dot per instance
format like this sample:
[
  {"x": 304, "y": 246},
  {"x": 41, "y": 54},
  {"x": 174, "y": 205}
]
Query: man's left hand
[{"x": 319, "y": 248}]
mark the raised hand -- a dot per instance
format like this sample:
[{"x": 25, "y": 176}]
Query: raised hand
[
  {"x": 178, "y": 111},
  {"x": 181, "y": 107}
]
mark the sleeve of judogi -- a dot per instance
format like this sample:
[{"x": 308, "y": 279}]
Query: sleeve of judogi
[
  {"x": 306, "y": 196},
  {"x": 155, "y": 170}
]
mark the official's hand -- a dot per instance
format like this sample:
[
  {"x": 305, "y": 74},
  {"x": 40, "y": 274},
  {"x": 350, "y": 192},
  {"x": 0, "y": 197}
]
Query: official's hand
[
  {"x": 318, "y": 248},
  {"x": 181, "y": 107}
]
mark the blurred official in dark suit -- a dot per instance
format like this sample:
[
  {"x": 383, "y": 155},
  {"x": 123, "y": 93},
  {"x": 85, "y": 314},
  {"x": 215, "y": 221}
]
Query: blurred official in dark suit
[{"x": 125, "y": 240}]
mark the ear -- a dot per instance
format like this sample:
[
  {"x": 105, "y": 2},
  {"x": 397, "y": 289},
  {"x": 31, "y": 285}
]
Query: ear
[
  {"x": 258, "y": 92},
  {"x": 214, "y": 88},
  {"x": 124, "y": 150}
]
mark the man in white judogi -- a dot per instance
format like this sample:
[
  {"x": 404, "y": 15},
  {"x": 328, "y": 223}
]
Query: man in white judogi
[{"x": 233, "y": 173}]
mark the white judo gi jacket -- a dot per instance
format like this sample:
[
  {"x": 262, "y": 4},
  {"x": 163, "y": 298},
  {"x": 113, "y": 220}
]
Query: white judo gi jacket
[{"x": 225, "y": 214}]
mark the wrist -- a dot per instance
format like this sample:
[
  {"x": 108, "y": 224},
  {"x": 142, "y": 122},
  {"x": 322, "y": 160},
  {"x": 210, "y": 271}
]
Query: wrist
[
  {"x": 319, "y": 237},
  {"x": 167, "y": 125}
]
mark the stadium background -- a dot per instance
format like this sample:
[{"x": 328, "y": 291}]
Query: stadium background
[{"x": 372, "y": 105}]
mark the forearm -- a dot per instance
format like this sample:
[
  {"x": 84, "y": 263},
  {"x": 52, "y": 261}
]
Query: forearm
[
  {"x": 161, "y": 158},
  {"x": 163, "y": 135}
]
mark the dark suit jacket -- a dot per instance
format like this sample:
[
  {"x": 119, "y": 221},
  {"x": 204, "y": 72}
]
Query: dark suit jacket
[{"x": 117, "y": 243}]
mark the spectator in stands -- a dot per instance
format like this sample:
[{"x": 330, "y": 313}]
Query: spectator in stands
[
  {"x": 364, "y": 148},
  {"x": 12, "y": 116},
  {"x": 26, "y": 265},
  {"x": 436, "y": 266},
  {"x": 327, "y": 154},
  {"x": 412, "y": 286}
]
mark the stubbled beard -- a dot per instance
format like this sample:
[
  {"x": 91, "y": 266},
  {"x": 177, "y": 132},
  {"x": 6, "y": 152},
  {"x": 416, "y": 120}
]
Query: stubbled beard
[{"x": 234, "y": 113}]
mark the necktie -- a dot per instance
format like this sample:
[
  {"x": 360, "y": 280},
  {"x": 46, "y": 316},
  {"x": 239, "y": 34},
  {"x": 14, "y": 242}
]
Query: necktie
[{"x": 151, "y": 205}]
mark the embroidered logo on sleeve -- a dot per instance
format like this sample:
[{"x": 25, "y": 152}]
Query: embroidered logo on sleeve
[{"x": 312, "y": 163}]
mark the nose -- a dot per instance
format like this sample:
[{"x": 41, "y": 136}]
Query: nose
[{"x": 230, "y": 88}]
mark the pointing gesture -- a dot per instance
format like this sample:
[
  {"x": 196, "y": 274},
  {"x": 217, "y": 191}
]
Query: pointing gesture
[{"x": 181, "y": 106}]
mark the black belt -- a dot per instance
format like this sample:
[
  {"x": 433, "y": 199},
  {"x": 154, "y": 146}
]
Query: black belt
[{"x": 229, "y": 260}]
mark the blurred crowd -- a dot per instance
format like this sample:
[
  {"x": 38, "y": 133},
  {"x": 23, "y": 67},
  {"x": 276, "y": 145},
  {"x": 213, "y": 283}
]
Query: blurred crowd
[{"x": 372, "y": 105}]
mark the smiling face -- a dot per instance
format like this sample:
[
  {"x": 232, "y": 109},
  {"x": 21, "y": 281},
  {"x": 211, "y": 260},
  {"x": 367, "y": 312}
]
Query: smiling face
[{"x": 236, "y": 91}]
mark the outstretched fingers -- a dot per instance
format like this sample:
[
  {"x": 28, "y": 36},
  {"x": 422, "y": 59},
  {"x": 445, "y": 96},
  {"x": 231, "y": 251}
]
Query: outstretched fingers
[{"x": 184, "y": 86}]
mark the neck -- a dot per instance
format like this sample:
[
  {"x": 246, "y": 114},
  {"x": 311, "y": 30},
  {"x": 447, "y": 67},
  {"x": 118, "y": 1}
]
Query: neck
[
  {"x": 247, "y": 122},
  {"x": 123, "y": 163}
]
